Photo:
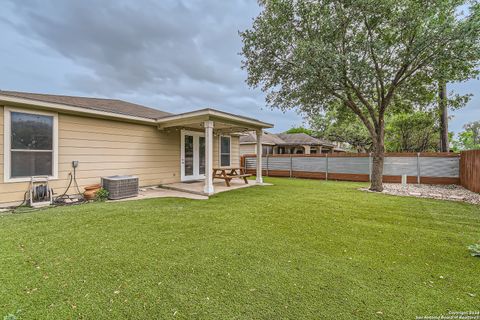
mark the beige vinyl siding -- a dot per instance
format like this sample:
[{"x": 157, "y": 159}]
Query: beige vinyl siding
[
  {"x": 248, "y": 149},
  {"x": 108, "y": 147},
  {"x": 235, "y": 156},
  {"x": 104, "y": 148},
  {"x": 1, "y": 149}
]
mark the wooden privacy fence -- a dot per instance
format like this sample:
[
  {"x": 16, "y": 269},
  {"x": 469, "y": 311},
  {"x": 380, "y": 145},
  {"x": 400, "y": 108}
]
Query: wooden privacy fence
[
  {"x": 470, "y": 170},
  {"x": 429, "y": 168}
]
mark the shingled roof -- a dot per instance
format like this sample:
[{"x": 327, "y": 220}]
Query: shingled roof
[
  {"x": 97, "y": 104},
  {"x": 302, "y": 139},
  {"x": 267, "y": 138},
  {"x": 285, "y": 139}
]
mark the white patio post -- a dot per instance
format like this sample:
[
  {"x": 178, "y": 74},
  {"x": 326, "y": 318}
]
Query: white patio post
[
  {"x": 208, "y": 188},
  {"x": 259, "y": 179}
]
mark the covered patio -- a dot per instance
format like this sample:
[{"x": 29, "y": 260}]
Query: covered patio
[{"x": 198, "y": 130}]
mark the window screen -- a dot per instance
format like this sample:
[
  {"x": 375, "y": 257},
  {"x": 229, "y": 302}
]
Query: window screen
[
  {"x": 224, "y": 151},
  {"x": 31, "y": 145}
]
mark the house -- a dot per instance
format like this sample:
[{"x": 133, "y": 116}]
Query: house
[
  {"x": 286, "y": 143},
  {"x": 43, "y": 134}
]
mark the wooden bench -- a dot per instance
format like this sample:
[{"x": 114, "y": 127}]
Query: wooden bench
[{"x": 228, "y": 174}]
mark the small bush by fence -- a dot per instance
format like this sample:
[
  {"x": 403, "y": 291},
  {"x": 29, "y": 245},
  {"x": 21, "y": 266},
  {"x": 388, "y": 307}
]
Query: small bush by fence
[
  {"x": 470, "y": 170},
  {"x": 429, "y": 168}
]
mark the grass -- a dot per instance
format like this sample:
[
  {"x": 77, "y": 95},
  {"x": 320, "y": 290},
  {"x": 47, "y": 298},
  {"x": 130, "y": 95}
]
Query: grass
[{"x": 298, "y": 249}]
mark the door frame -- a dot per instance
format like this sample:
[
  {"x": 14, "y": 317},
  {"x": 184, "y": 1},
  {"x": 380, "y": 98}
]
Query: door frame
[{"x": 196, "y": 155}]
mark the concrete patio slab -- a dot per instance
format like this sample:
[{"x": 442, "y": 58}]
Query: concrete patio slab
[
  {"x": 157, "y": 192},
  {"x": 196, "y": 187}
]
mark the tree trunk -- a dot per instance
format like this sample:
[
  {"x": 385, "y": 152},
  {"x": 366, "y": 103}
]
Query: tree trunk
[
  {"x": 443, "y": 107},
  {"x": 378, "y": 153}
]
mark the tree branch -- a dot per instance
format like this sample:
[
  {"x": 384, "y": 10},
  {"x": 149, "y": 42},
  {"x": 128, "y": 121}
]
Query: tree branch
[
  {"x": 360, "y": 97},
  {"x": 353, "y": 106},
  {"x": 378, "y": 70}
]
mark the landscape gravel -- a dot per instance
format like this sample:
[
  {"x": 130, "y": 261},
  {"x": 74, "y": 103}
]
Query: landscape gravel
[{"x": 444, "y": 192}]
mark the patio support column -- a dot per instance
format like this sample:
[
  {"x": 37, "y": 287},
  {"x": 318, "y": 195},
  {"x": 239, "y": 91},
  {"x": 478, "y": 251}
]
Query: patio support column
[
  {"x": 259, "y": 179},
  {"x": 208, "y": 188}
]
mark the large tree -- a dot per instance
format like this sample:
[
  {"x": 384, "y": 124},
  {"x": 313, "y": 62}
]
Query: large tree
[
  {"x": 412, "y": 132},
  {"x": 359, "y": 54},
  {"x": 415, "y": 131},
  {"x": 469, "y": 139},
  {"x": 345, "y": 127},
  {"x": 443, "y": 111}
]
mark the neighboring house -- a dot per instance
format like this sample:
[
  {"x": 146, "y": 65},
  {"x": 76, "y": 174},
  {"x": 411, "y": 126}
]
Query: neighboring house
[
  {"x": 286, "y": 143},
  {"x": 43, "y": 134}
]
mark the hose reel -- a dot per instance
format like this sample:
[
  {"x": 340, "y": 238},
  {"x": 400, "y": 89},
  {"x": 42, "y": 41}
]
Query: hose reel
[{"x": 40, "y": 193}]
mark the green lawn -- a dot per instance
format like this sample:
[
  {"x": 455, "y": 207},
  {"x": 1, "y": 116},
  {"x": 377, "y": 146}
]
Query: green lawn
[{"x": 298, "y": 249}]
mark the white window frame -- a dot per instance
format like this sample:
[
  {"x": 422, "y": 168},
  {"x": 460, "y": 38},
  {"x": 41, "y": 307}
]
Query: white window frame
[
  {"x": 7, "y": 143},
  {"x": 220, "y": 151}
]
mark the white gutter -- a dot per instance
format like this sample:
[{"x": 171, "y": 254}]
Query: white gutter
[{"x": 72, "y": 109}]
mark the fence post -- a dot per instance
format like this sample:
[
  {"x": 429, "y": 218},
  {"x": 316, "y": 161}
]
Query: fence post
[
  {"x": 418, "y": 167},
  {"x": 266, "y": 156},
  {"x": 370, "y": 167},
  {"x": 326, "y": 166},
  {"x": 291, "y": 166}
]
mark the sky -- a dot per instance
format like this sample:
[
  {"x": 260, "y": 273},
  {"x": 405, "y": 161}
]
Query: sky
[{"x": 176, "y": 56}]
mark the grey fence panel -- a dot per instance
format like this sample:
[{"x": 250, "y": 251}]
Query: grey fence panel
[
  {"x": 264, "y": 163},
  {"x": 355, "y": 165},
  {"x": 314, "y": 164},
  {"x": 282, "y": 163},
  {"x": 397, "y": 166},
  {"x": 447, "y": 167},
  {"x": 250, "y": 163},
  {"x": 439, "y": 167}
]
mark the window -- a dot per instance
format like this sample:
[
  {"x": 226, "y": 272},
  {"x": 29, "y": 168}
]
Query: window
[
  {"x": 30, "y": 145},
  {"x": 267, "y": 150},
  {"x": 224, "y": 151}
]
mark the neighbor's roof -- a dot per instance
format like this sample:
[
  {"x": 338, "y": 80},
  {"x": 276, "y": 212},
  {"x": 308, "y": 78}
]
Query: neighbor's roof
[
  {"x": 267, "y": 138},
  {"x": 97, "y": 104},
  {"x": 301, "y": 139},
  {"x": 284, "y": 139}
]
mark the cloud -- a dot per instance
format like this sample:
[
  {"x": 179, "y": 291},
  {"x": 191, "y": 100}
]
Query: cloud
[
  {"x": 183, "y": 54},
  {"x": 128, "y": 44},
  {"x": 177, "y": 55}
]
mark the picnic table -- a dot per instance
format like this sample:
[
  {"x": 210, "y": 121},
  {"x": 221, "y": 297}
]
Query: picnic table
[{"x": 228, "y": 174}]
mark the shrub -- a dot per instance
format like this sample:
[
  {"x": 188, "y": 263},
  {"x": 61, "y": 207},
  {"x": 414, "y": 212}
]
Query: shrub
[
  {"x": 475, "y": 249},
  {"x": 101, "y": 195},
  {"x": 12, "y": 316}
]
